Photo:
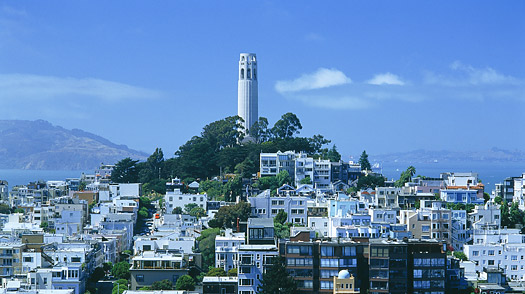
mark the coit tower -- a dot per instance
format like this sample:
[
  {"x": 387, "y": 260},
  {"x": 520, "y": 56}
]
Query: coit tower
[{"x": 247, "y": 100}]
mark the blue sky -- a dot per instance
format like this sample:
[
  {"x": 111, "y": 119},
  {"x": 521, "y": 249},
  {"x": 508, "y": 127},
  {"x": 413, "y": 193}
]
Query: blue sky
[{"x": 385, "y": 76}]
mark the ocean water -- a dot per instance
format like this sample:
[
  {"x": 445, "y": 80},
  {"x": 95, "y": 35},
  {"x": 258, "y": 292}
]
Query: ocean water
[
  {"x": 15, "y": 177},
  {"x": 490, "y": 173}
]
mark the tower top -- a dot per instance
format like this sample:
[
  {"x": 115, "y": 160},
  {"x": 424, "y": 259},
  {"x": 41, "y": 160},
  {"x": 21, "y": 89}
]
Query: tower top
[{"x": 247, "y": 57}]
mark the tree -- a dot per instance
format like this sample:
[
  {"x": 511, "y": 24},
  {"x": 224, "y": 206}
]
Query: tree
[
  {"x": 282, "y": 231},
  {"x": 227, "y": 216},
  {"x": 232, "y": 272},
  {"x": 232, "y": 189},
  {"x": 317, "y": 142},
  {"x": 216, "y": 272},
  {"x": 283, "y": 177},
  {"x": 259, "y": 130},
  {"x": 406, "y": 176},
  {"x": 486, "y": 197},
  {"x": 206, "y": 246},
  {"x": 276, "y": 280},
  {"x": 287, "y": 126},
  {"x": 306, "y": 180},
  {"x": 363, "y": 161},
  {"x": 125, "y": 171},
  {"x": 197, "y": 212},
  {"x": 505, "y": 214},
  {"x": 498, "y": 200},
  {"x": 460, "y": 255},
  {"x": 162, "y": 285},
  {"x": 121, "y": 270},
  {"x": 4, "y": 209},
  {"x": 143, "y": 212},
  {"x": 120, "y": 286},
  {"x": 185, "y": 282},
  {"x": 370, "y": 182},
  {"x": 82, "y": 186},
  {"x": 97, "y": 274},
  {"x": 281, "y": 217},
  {"x": 156, "y": 163},
  {"x": 177, "y": 210}
]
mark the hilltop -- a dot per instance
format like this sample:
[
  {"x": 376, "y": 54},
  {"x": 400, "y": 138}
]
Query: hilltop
[{"x": 41, "y": 145}]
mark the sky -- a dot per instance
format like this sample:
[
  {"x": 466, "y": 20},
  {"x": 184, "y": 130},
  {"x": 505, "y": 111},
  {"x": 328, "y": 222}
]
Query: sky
[{"x": 380, "y": 76}]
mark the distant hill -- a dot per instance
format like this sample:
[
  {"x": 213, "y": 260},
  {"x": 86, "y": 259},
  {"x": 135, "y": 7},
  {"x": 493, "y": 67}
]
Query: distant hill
[
  {"x": 425, "y": 156},
  {"x": 41, "y": 145}
]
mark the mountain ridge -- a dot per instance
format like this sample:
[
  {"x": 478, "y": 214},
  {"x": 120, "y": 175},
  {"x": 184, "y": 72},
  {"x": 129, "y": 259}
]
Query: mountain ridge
[{"x": 40, "y": 145}]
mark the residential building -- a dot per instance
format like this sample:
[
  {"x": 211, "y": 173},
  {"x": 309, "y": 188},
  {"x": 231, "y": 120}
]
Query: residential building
[
  {"x": 150, "y": 266},
  {"x": 253, "y": 261},
  {"x": 176, "y": 198},
  {"x": 266, "y": 206},
  {"x": 219, "y": 285},
  {"x": 227, "y": 248}
]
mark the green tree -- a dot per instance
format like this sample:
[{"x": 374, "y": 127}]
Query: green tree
[
  {"x": 206, "y": 246},
  {"x": 5, "y": 209},
  {"x": 406, "y": 176},
  {"x": 281, "y": 217},
  {"x": 216, "y": 272},
  {"x": 246, "y": 168},
  {"x": 227, "y": 216},
  {"x": 486, "y": 197},
  {"x": 177, "y": 210},
  {"x": 276, "y": 280},
  {"x": 162, "y": 285},
  {"x": 212, "y": 188},
  {"x": 282, "y": 231},
  {"x": 143, "y": 212},
  {"x": 306, "y": 180},
  {"x": 460, "y": 255},
  {"x": 370, "y": 182},
  {"x": 82, "y": 186},
  {"x": 125, "y": 171},
  {"x": 283, "y": 177},
  {"x": 498, "y": 200},
  {"x": 232, "y": 272},
  {"x": 232, "y": 189},
  {"x": 197, "y": 212},
  {"x": 505, "y": 214},
  {"x": 363, "y": 161},
  {"x": 317, "y": 142},
  {"x": 121, "y": 270},
  {"x": 120, "y": 286},
  {"x": 97, "y": 274},
  {"x": 185, "y": 283},
  {"x": 287, "y": 126},
  {"x": 259, "y": 130},
  {"x": 156, "y": 163}
]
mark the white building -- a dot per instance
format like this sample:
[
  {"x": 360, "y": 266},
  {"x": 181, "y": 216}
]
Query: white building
[
  {"x": 227, "y": 248},
  {"x": 498, "y": 248},
  {"x": 176, "y": 198},
  {"x": 247, "y": 99},
  {"x": 266, "y": 206}
]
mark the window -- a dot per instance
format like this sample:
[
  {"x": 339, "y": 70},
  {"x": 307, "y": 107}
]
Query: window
[
  {"x": 491, "y": 262},
  {"x": 245, "y": 282},
  {"x": 491, "y": 252},
  {"x": 75, "y": 259},
  {"x": 28, "y": 259},
  {"x": 139, "y": 278},
  {"x": 327, "y": 251},
  {"x": 475, "y": 253}
]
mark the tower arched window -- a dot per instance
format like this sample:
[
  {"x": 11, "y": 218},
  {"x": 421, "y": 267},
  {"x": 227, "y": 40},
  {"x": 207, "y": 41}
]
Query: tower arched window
[
  {"x": 242, "y": 58},
  {"x": 254, "y": 73},
  {"x": 248, "y": 75},
  {"x": 242, "y": 73}
]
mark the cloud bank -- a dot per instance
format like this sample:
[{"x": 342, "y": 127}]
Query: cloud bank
[
  {"x": 322, "y": 78},
  {"x": 35, "y": 87},
  {"x": 460, "y": 81}
]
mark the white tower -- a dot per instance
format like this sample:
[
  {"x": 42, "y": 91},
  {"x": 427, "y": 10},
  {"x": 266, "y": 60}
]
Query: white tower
[{"x": 247, "y": 103}]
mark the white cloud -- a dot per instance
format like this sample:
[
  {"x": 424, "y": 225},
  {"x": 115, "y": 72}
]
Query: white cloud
[
  {"x": 322, "y": 78},
  {"x": 386, "y": 79},
  {"x": 35, "y": 87},
  {"x": 460, "y": 82},
  {"x": 479, "y": 76}
]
